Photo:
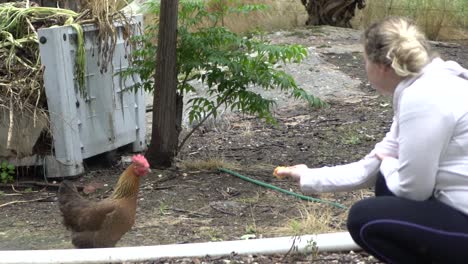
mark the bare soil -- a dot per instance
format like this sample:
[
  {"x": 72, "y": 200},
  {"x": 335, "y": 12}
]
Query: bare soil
[{"x": 187, "y": 204}]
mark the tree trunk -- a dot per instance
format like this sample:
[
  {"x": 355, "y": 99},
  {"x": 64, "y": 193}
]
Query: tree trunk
[
  {"x": 332, "y": 12},
  {"x": 165, "y": 130}
]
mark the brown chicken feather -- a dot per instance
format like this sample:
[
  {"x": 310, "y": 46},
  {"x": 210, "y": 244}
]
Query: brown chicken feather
[
  {"x": 80, "y": 214},
  {"x": 103, "y": 223}
]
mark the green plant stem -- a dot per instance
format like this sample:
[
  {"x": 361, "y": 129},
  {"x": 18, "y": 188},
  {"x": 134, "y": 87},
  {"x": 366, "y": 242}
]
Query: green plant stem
[{"x": 303, "y": 197}]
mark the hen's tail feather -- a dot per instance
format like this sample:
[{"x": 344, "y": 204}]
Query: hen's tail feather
[
  {"x": 67, "y": 192},
  {"x": 80, "y": 214}
]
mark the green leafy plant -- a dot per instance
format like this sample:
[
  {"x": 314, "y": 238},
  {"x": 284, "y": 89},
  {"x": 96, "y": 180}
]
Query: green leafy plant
[
  {"x": 251, "y": 229},
  {"x": 352, "y": 140},
  {"x": 212, "y": 233},
  {"x": 163, "y": 209},
  {"x": 296, "y": 227},
  {"x": 7, "y": 171},
  {"x": 226, "y": 63},
  {"x": 312, "y": 248}
]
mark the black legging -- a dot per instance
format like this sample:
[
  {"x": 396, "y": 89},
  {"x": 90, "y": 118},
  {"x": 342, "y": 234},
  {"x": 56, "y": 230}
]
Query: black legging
[{"x": 398, "y": 230}]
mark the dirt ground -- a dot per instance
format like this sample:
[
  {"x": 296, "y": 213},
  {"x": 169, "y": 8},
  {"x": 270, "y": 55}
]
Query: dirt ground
[{"x": 187, "y": 204}]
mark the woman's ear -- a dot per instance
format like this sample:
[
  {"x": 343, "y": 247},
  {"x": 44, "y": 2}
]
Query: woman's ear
[{"x": 384, "y": 68}]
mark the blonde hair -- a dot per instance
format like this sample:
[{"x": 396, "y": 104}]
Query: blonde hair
[{"x": 399, "y": 43}]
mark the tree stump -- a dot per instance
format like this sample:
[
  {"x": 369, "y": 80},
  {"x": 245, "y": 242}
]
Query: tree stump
[{"x": 332, "y": 12}]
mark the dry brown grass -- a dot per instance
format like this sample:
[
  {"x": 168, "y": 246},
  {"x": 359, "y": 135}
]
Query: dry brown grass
[
  {"x": 209, "y": 164},
  {"x": 105, "y": 13},
  {"x": 434, "y": 17},
  {"x": 315, "y": 219}
]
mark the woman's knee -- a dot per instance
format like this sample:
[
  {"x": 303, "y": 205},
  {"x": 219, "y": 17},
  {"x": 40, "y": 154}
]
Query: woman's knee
[
  {"x": 357, "y": 216},
  {"x": 374, "y": 208}
]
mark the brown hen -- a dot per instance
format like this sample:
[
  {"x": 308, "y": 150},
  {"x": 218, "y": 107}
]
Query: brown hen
[{"x": 102, "y": 223}]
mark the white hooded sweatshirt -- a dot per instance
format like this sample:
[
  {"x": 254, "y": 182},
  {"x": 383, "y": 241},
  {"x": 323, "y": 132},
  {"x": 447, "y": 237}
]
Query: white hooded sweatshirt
[{"x": 427, "y": 143}]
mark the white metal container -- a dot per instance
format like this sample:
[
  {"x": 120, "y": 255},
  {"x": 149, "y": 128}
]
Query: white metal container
[{"x": 110, "y": 115}]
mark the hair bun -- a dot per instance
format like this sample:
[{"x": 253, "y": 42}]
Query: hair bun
[{"x": 399, "y": 43}]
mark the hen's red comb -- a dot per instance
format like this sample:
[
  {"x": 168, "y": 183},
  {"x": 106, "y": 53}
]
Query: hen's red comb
[{"x": 141, "y": 160}]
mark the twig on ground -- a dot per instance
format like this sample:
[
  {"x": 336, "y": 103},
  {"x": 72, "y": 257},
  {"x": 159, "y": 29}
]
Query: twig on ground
[
  {"x": 11, "y": 194},
  {"x": 26, "y": 201},
  {"x": 327, "y": 120},
  {"x": 221, "y": 211},
  {"x": 13, "y": 187},
  {"x": 291, "y": 250},
  {"x": 28, "y": 191},
  {"x": 445, "y": 44},
  {"x": 164, "y": 179},
  {"x": 189, "y": 213},
  {"x": 164, "y": 187},
  {"x": 26, "y": 184}
]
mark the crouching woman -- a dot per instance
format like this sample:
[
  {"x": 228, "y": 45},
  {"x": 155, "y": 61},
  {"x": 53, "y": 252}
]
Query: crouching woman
[{"x": 420, "y": 169}]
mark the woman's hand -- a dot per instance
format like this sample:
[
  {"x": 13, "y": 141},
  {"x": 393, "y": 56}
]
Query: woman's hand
[
  {"x": 291, "y": 171},
  {"x": 381, "y": 156}
]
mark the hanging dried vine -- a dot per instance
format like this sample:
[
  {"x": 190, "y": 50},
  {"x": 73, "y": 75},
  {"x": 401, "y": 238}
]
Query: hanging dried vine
[
  {"x": 21, "y": 79},
  {"x": 105, "y": 14}
]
